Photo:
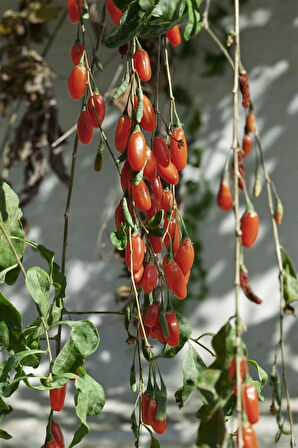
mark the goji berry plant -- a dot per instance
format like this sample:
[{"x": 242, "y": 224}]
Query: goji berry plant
[{"x": 151, "y": 236}]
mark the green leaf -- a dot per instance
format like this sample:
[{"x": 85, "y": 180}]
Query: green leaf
[
  {"x": 157, "y": 232},
  {"x": 140, "y": 96},
  {"x": 212, "y": 431},
  {"x": 155, "y": 221},
  {"x": 132, "y": 378},
  {"x": 12, "y": 363},
  {"x": 161, "y": 412},
  {"x": 121, "y": 89},
  {"x": 4, "y": 410},
  {"x": 130, "y": 23},
  {"x": 207, "y": 384},
  {"x": 83, "y": 341},
  {"x": 184, "y": 335},
  {"x": 10, "y": 215},
  {"x": 192, "y": 366},
  {"x": 224, "y": 343},
  {"x": 59, "y": 284},
  {"x": 45, "y": 253},
  {"x": 126, "y": 214},
  {"x": 11, "y": 326},
  {"x": 119, "y": 239},
  {"x": 290, "y": 288},
  {"x": 38, "y": 284},
  {"x": 89, "y": 401},
  {"x": 147, "y": 4},
  {"x": 4, "y": 435},
  {"x": 5, "y": 271},
  {"x": 288, "y": 264},
  {"x": 193, "y": 25},
  {"x": 263, "y": 378}
]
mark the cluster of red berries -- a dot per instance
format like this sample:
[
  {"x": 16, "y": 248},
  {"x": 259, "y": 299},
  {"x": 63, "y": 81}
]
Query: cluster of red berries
[{"x": 250, "y": 220}]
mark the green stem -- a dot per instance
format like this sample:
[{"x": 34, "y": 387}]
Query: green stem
[{"x": 235, "y": 148}]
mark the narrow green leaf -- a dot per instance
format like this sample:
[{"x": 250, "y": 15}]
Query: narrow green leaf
[
  {"x": 161, "y": 412},
  {"x": 38, "y": 284},
  {"x": 155, "y": 221},
  {"x": 89, "y": 401},
  {"x": 263, "y": 378},
  {"x": 119, "y": 239},
  {"x": 140, "y": 96},
  {"x": 59, "y": 284},
  {"x": 122, "y": 88},
  {"x": 139, "y": 177},
  {"x": 154, "y": 442},
  {"x": 192, "y": 366},
  {"x": 5, "y": 271},
  {"x": 83, "y": 341},
  {"x": 157, "y": 232},
  {"x": 4, "y": 435},
  {"x": 164, "y": 325},
  {"x": 11, "y": 326},
  {"x": 288, "y": 264},
  {"x": 126, "y": 213},
  {"x": 212, "y": 431},
  {"x": 128, "y": 28},
  {"x": 132, "y": 378},
  {"x": 10, "y": 215}
]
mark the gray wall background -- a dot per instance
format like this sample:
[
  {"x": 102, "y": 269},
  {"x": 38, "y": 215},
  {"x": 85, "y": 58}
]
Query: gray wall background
[{"x": 268, "y": 38}]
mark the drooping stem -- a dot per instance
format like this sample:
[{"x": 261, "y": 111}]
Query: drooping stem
[
  {"x": 236, "y": 213},
  {"x": 68, "y": 202},
  {"x": 172, "y": 98},
  {"x": 281, "y": 283}
]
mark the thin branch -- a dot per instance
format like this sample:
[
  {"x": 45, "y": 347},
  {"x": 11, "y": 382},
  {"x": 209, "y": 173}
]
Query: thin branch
[
  {"x": 219, "y": 44},
  {"x": 281, "y": 284},
  {"x": 205, "y": 21},
  {"x": 78, "y": 313},
  {"x": 236, "y": 213}
]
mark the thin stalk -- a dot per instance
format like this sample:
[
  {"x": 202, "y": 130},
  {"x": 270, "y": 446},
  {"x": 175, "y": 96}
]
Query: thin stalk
[
  {"x": 220, "y": 45},
  {"x": 172, "y": 98},
  {"x": 78, "y": 313},
  {"x": 68, "y": 202},
  {"x": 269, "y": 184},
  {"x": 236, "y": 213},
  {"x": 140, "y": 388},
  {"x": 281, "y": 284}
]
